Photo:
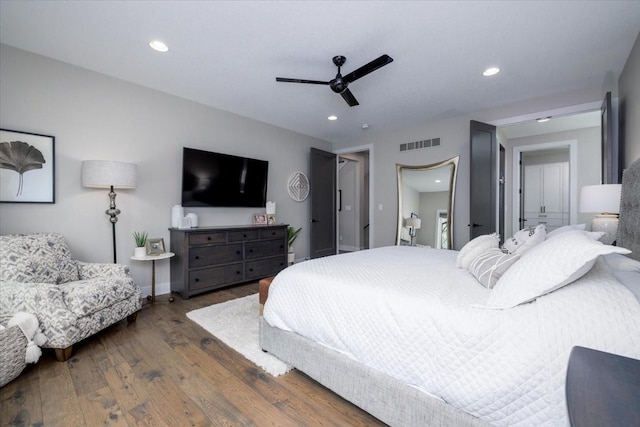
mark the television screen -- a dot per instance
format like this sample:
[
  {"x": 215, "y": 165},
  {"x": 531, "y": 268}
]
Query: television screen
[{"x": 222, "y": 180}]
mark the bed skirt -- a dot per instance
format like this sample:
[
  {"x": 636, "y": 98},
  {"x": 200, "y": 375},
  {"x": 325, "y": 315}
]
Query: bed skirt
[{"x": 384, "y": 397}]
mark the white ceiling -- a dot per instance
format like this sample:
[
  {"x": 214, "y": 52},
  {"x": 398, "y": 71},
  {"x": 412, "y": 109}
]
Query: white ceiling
[{"x": 226, "y": 54}]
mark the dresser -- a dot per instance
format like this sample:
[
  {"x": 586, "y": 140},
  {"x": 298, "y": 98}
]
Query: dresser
[{"x": 208, "y": 258}]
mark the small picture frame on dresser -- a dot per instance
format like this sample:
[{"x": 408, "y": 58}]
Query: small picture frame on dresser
[
  {"x": 271, "y": 219},
  {"x": 259, "y": 219},
  {"x": 155, "y": 246}
]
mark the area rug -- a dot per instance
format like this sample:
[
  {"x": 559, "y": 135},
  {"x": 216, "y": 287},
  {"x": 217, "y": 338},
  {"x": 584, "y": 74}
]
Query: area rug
[{"x": 236, "y": 323}]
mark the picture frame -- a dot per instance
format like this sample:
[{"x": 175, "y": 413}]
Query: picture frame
[
  {"x": 259, "y": 219},
  {"x": 155, "y": 247},
  {"x": 271, "y": 219},
  {"x": 36, "y": 183}
]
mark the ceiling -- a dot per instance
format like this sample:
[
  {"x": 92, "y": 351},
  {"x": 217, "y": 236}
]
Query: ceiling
[{"x": 226, "y": 54}]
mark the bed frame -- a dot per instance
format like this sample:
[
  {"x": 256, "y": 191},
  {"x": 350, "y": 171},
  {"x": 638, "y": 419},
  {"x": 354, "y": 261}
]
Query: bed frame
[{"x": 386, "y": 398}]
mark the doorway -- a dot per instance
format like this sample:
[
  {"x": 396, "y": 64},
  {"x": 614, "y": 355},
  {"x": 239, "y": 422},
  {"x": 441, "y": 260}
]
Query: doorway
[{"x": 355, "y": 197}]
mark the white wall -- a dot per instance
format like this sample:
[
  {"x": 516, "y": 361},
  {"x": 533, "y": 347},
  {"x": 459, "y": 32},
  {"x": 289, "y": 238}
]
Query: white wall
[
  {"x": 93, "y": 116},
  {"x": 629, "y": 106}
]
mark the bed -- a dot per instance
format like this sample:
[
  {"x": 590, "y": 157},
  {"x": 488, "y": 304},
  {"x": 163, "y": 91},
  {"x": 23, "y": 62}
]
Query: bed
[{"x": 419, "y": 336}]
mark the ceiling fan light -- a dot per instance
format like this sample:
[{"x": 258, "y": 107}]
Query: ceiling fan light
[
  {"x": 158, "y": 46},
  {"x": 491, "y": 71}
]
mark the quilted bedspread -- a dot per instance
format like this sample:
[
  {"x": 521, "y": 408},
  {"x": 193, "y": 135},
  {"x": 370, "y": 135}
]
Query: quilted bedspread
[{"x": 409, "y": 312}]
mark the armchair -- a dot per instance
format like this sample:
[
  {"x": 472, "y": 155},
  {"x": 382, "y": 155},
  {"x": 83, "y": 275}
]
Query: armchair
[{"x": 71, "y": 299}]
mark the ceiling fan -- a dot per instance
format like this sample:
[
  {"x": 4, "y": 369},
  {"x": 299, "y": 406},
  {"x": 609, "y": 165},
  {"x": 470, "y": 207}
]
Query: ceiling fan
[{"x": 340, "y": 84}]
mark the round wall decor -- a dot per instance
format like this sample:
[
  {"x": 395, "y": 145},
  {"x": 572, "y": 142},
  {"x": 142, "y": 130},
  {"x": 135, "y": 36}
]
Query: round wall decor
[{"x": 298, "y": 186}]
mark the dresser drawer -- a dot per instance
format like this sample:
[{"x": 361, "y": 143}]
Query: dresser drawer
[
  {"x": 272, "y": 233},
  {"x": 215, "y": 276},
  {"x": 242, "y": 235},
  {"x": 201, "y": 256},
  {"x": 264, "y": 267},
  {"x": 207, "y": 238},
  {"x": 263, "y": 248}
]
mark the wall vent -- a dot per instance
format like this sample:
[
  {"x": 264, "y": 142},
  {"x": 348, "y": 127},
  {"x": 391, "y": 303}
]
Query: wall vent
[{"x": 417, "y": 145}]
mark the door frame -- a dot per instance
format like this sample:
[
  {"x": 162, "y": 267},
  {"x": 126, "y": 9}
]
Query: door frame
[
  {"x": 572, "y": 144},
  {"x": 358, "y": 149}
]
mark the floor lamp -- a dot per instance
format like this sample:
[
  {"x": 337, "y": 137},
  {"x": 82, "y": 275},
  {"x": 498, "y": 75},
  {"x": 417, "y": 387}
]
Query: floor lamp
[{"x": 111, "y": 175}]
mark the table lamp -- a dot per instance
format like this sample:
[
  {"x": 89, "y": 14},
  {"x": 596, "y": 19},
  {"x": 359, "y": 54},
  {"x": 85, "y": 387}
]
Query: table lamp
[
  {"x": 414, "y": 224},
  {"x": 605, "y": 201}
]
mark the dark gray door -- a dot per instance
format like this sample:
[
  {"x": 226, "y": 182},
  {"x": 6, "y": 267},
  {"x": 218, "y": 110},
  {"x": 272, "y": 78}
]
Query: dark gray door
[
  {"x": 483, "y": 179},
  {"x": 323, "y": 203},
  {"x": 611, "y": 155}
]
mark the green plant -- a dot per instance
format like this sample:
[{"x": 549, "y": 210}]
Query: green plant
[
  {"x": 292, "y": 235},
  {"x": 140, "y": 238}
]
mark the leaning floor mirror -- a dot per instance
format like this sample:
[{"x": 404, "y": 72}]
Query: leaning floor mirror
[{"x": 425, "y": 204}]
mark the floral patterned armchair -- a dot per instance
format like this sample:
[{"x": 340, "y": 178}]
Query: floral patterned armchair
[{"x": 71, "y": 299}]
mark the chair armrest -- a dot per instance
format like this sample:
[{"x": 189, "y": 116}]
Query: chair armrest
[{"x": 92, "y": 270}]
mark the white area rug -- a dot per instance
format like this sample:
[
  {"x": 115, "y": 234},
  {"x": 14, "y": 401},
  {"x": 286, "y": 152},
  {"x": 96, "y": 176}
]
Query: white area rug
[{"x": 236, "y": 324}]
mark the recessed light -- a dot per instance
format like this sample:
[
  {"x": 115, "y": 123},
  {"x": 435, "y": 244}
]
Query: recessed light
[
  {"x": 438, "y": 181},
  {"x": 158, "y": 46},
  {"x": 332, "y": 117},
  {"x": 543, "y": 119},
  {"x": 365, "y": 126},
  {"x": 492, "y": 71}
]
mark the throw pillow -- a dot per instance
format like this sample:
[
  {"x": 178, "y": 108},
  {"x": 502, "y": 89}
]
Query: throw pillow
[
  {"x": 547, "y": 267},
  {"x": 525, "y": 239},
  {"x": 476, "y": 247},
  {"x": 564, "y": 229},
  {"x": 491, "y": 265}
]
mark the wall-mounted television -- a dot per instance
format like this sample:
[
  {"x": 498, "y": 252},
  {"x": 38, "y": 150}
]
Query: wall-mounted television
[{"x": 222, "y": 180}]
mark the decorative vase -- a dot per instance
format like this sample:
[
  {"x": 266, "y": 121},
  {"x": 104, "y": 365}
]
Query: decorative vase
[
  {"x": 291, "y": 257},
  {"x": 140, "y": 252},
  {"x": 177, "y": 213}
]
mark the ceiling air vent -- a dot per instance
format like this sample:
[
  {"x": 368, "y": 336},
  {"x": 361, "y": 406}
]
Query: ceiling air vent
[{"x": 417, "y": 145}]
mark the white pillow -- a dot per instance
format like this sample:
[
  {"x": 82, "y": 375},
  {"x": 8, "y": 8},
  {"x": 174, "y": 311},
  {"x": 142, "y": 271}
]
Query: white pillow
[
  {"x": 564, "y": 229},
  {"x": 476, "y": 247},
  {"x": 491, "y": 265},
  {"x": 547, "y": 267},
  {"x": 525, "y": 239}
]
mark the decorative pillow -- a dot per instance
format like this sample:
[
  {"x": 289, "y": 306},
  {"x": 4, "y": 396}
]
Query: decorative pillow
[
  {"x": 475, "y": 247},
  {"x": 491, "y": 265},
  {"x": 564, "y": 229},
  {"x": 525, "y": 239},
  {"x": 547, "y": 267}
]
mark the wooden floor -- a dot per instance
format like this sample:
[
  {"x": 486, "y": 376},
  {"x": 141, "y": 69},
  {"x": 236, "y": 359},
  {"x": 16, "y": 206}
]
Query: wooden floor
[{"x": 164, "y": 370}]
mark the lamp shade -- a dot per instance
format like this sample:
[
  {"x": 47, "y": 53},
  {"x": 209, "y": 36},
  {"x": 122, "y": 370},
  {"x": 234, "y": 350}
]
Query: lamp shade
[
  {"x": 106, "y": 173},
  {"x": 600, "y": 198},
  {"x": 413, "y": 222}
]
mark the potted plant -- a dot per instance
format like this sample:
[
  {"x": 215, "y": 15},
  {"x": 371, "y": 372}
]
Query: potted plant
[
  {"x": 292, "y": 235},
  {"x": 140, "y": 238}
]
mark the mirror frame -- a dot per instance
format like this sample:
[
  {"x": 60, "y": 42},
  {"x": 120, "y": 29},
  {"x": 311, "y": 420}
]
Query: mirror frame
[{"x": 452, "y": 192}]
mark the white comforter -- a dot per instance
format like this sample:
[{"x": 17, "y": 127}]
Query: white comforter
[{"x": 408, "y": 312}]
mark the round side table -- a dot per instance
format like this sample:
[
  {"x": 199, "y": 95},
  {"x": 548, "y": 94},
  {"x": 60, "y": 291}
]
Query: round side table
[{"x": 153, "y": 259}]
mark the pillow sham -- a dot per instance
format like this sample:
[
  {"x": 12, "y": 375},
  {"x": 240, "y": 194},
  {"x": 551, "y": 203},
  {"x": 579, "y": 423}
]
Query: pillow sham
[
  {"x": 525, "y": 239},
  {"x": 564, "y": 229},
  {"x": 547, "y": 267},
  {"x": 476, "y": 247},
  {"x": 491, "y": 265}
]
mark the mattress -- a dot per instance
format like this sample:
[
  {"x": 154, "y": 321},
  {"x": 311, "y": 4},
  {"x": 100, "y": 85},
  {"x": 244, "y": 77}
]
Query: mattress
[{"x": 410, "y": 313}]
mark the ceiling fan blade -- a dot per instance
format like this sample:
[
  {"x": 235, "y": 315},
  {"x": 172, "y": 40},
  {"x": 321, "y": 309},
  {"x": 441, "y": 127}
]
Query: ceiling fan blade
[
  {"x": 315, "y": 82},
  {"x": 368, "y": 68},
  {"x": 348, "y": 96}
]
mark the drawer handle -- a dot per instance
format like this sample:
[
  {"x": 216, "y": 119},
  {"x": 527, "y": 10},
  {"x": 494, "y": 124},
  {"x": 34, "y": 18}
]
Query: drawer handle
[
  {"x": 542, "y": 222},
  {"x": 237, "y": 272},
  {"x": 244, "y": 235},
  {"x": 237, "y": 252},
  {"x": 197, "y": 280},
  {"x": 281, "y": 246},
  {"x": 209, "y": 238},
  {"x": 251, "y": 269},
  {"x": 250, "y": 251},
  {"x": 197, "y": 257},
  {"x": 273, "y": 233}
]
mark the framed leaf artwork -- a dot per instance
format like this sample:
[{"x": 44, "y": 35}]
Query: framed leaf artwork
[{"x": 27, "y": 167}]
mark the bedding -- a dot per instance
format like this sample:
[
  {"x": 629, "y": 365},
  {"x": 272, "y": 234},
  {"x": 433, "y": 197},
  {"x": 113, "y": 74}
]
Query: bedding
[{"x": 411, "y": 313}]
